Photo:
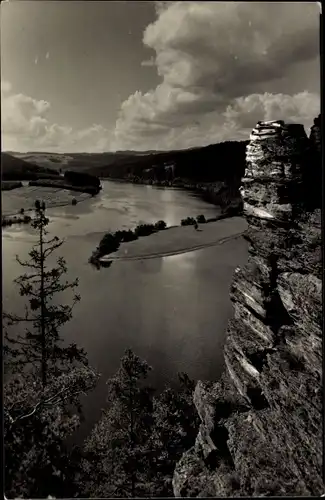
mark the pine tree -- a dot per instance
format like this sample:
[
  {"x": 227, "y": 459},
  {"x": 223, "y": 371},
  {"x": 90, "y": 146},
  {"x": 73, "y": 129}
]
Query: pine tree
[
  {"x": 39, "y": 345},
  {"x": 118, "y": 456},
  {"x": 44, "y": 381}
]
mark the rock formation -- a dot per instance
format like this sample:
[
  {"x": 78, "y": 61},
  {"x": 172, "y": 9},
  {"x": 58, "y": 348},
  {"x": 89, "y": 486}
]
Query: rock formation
[
  {"x": 315, "y": 134},
  {"x": 261, "y": 423}
]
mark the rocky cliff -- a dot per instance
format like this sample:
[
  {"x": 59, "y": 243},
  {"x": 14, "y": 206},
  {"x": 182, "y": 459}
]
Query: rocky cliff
[{"x": 261, "y": 423}]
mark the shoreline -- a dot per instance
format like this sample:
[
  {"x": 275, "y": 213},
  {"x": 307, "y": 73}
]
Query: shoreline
[
  {"x": 220, "y": 193},
  {"x": 172, "y": 253},
  {"x": 54, "y": 205},
  {"x": 176, "y": 240}
]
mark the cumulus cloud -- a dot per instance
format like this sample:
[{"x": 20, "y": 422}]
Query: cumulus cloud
[
  {"x": 218, "y": 61},
  {"x": 25, "y": 127},
  {"x": 223, "y": 66}
]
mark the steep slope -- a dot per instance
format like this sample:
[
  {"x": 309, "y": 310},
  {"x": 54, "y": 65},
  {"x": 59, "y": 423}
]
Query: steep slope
[{"x": 261, "y": 424}]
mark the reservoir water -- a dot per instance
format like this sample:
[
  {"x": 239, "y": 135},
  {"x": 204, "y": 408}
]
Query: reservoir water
[{"x": 172, "y": 311}]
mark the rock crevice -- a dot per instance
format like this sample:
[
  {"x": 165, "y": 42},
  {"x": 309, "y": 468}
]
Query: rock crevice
[{"x": 261, "y": 423}]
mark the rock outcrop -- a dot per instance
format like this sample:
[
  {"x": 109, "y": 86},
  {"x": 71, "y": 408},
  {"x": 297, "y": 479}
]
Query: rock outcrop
[
  {"x": 261, "y": 423},
  {"x": 315, "y": 134}
]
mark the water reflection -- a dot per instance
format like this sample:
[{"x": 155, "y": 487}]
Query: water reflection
[{"x": 172, "y": 311}]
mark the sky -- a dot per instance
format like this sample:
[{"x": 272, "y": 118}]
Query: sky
[{"x": 88, "y": 76}]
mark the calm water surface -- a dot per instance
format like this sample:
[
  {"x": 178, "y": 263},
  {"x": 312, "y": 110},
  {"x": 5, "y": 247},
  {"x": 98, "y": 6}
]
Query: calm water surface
[{"x": 172, "y": 311}]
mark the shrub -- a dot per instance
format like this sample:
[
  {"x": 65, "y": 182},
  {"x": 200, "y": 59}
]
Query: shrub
[
  {"x": 109, "y": 243},
  {"x": 125, "y": 235},
  {"x": 129, "y": 235},
  {"x": 201, "y": 219},
  {"x": 160, "y": 225},
  {"x": 22, "y": 211},
  {"x": 144, "y": 230},
  {"x": 74, "y": 201},
  {"x": 189, "y": 221}
]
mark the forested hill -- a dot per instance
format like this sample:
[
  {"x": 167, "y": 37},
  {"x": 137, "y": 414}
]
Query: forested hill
[
  {"x": 223, "y": 161},
  {"x": 13, "y": 168}
]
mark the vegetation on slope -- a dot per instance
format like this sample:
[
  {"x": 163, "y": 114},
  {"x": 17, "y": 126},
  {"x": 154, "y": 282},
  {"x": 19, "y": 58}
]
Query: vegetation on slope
[
  {"x": 223, "y": 161},
  {"x": 13, "y": 168}
]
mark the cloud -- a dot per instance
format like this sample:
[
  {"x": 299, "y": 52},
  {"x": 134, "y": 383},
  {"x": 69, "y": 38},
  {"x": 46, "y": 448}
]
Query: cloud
[
  {"x": 217, "y": 57},
  {"x": 245, "y": 112},
  {"x": 25, "y": 127},
  {"x": 222, "y": 66}
]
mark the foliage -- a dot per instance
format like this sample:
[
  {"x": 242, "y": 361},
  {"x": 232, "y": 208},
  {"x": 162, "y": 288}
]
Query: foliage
[
  {"x": 36, "y": 423},
  {"x": 144, "y": 230},
  {"x": 160, "y": 225},
  {"x": 111, "y": 241},
  {"x": 124, "y": 236},
  {"x": 117, "y": 457},
  {"x": 189, "y": 221},
  {"x": 39, "y": 345},
  {"x": 43, "y": 384},
  {"x": 175, "y": 429},
  {"x": 81, "y": 179},
  {"x": 201, "y": 219},
  {"x": 133, "y": 449},
  {"x": 8, "y": 221}
]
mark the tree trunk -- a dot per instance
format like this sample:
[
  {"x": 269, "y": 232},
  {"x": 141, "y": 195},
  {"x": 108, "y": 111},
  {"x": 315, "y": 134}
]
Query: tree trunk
[
  {"x": 42, "y": 298},
  {"x": 132, "y": 447}
]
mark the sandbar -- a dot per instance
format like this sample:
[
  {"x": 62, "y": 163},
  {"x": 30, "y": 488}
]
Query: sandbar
[{"x": 179, "y": 239}]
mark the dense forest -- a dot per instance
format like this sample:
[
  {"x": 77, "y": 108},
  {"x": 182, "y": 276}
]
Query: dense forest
[{"x": 224, "y": 161}]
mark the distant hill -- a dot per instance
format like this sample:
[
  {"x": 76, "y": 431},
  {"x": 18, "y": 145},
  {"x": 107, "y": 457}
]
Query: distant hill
[
  {"x": 66, "y": 161},
  {"x": 214, "y": 162},
  {"x": 13, "y": 168},
  {"x": 215, "y": 170}
]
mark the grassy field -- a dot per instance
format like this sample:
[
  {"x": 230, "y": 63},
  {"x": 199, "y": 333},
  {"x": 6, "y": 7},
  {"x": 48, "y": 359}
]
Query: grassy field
[{"x": 25, "y": 197}]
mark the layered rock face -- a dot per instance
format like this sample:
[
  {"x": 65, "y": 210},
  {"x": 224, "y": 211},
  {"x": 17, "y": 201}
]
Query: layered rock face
[{"x": 261, "y": 430}]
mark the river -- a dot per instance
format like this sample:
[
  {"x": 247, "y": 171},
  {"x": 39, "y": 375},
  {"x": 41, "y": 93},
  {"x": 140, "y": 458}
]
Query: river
[{"x": 172, "y": 311}]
